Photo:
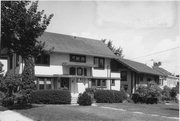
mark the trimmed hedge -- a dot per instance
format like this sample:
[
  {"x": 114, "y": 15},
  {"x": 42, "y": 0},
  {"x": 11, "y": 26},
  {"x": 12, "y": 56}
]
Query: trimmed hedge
[
  {"x": 109, "y": 96},
  {"x": 84, "y": 99},
  {"x": 51, "y": 97}
]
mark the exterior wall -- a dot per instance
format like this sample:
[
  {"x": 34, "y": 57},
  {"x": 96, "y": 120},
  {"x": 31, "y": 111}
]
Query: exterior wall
[
  {"x": 117, "y": 85},
  {"x": 170, "y": 81}
]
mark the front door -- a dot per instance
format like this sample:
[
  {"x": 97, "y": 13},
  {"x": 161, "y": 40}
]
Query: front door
[{"x": 65, "y": 83}]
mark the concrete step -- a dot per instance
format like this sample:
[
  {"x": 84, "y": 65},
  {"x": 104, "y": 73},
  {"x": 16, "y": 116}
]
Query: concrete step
[{"x": 74, "y": 100}]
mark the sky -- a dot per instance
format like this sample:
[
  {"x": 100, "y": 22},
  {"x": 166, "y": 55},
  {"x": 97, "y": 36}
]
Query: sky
[{"x": 147, "y": 31}]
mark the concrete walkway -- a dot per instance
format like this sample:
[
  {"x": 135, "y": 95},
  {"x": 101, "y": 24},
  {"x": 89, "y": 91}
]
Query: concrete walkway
[{"x": 9, "y": 115}]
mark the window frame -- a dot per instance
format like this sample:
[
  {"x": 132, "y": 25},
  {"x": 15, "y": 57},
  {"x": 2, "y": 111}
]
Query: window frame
[
  {"x": 98, "y": 64},
  {"x": 75, "y": 58},
  {"x": 97, "y": 82},
  {"x": 42, "y": 60}
]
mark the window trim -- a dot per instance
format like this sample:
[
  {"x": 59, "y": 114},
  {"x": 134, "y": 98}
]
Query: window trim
[
  {"x": 80, "y": 56},
  {"x": 98, "y": 67}
]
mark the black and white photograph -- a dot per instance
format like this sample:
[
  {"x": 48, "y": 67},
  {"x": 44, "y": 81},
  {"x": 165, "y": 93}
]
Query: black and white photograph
[{"x": 90, "y": 60}]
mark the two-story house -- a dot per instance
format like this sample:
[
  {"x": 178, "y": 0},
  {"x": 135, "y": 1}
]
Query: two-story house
[{"x": 75, "y": 64}]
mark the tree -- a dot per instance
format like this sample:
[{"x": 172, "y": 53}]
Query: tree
[
  {"x": 21, "y": 25},
  {"x": 117, "y": 51},
  {"x": 157, "y": 64}
]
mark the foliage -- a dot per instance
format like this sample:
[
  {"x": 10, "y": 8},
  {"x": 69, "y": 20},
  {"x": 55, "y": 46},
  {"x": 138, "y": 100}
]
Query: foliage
[
  {"x": 10, "y": 84},
  {"x": 174, "y": 91},
  {"x": 21, "y": 25},
  {"x": 166, "y": 94},
  {"x": 117, "y": 51},
  {"x": 109, "y": 96},
  {"x": 150, "y": 94},
  {"x": 51, "y": 97},
  {"x": 84, "y": 99}
]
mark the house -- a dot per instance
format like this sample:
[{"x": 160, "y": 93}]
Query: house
[
  {"x": 134, "y": 74},
  {"x": 167, "y": 78},
  {"x": 75, "y": 64}
]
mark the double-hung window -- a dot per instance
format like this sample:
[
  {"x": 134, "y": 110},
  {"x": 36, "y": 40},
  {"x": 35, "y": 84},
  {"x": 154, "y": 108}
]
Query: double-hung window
[{"x": 99, "y": 63}]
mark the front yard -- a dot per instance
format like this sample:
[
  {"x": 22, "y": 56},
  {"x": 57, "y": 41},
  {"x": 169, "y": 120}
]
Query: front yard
[{"x": 103, "y": 112}]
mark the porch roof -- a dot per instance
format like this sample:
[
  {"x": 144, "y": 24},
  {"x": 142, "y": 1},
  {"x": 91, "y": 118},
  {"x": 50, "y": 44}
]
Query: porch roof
[{"x": 138, "y": 67}]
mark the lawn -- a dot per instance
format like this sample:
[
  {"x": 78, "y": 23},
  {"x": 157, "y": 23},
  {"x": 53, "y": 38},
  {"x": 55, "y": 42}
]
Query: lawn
[
  {"x": 159, "y": 109},
  {"x": 80, "y": 113}
]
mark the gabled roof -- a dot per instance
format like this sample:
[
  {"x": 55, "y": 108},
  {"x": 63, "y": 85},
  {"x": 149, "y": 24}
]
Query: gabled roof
[
  {"x": 76, "y": 45},
  {"x": 162, "y": 71},
  {"x": 138, "y": 67}
]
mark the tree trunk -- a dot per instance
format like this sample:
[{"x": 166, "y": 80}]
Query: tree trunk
[{"x": 28, "y": 74}]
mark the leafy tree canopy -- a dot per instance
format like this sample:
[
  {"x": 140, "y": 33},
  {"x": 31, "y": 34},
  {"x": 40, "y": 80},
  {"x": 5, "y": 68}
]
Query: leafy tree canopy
[
  {"x": 21, "y": 25},
  {"x": 117, "y": 51}
]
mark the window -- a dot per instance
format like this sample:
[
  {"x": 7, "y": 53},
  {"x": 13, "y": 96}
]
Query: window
[
  {"x": 99, "y": 62},
  {"x": 93, "y": 82},
  {"x": 113, "y": 82},
  {"x": 79, "y": 71},
  {"x": 43, "y": 60},
  {"x": 41, "y": 84},
  {"x": 98, "y": 83},
  {"x": 85, "y": 71},
  {"x": 77, "y": 58},
  {"x": 123, "y": 75},
  {"x": 44, "y": 83},
  {"x": 48, "y": 84},
  {"x": 72, "y": 71}
]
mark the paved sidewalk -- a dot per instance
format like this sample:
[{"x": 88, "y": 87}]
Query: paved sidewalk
[{"x": 13, "y": 116}]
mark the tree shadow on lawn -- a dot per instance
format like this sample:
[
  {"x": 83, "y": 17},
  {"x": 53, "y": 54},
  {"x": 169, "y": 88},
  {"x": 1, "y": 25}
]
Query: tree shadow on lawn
[{"x": 23, "y": 107}]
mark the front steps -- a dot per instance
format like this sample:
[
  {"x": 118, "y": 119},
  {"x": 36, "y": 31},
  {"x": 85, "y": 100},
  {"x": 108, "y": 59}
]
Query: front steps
[{"x": 74, "y": 100}]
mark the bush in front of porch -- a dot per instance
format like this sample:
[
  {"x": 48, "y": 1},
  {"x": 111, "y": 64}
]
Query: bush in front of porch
[{"x": 51, "y": 97}]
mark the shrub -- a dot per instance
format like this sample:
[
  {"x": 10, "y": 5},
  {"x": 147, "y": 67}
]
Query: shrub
[
  {"x": 109, "y": 96},
  {"x": 150, "y": 94},
  {"x": 166, "y": 94},
  {"x": 51, "y": 97},
  {"x": 173, "y": 92},
  {"x": 8, "y": 101},
  {"x": 84, "y": 99}
]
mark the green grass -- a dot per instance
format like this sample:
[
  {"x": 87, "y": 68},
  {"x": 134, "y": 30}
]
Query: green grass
[{"x": 67, "y": 112}]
